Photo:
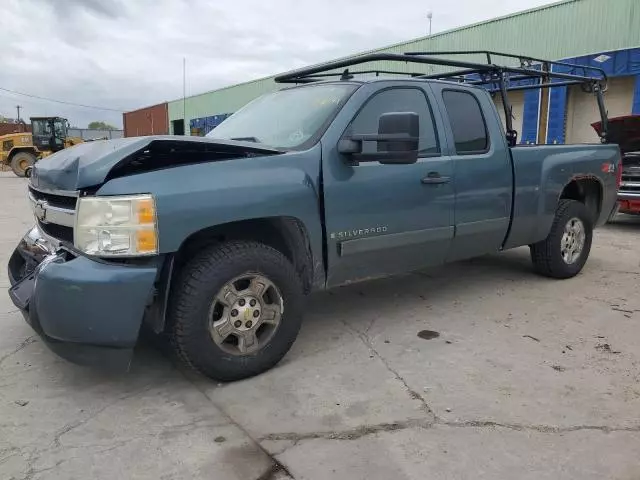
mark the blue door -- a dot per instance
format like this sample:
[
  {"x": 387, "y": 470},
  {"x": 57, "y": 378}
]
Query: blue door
[
  {"x": 386, "y": 219},
  {"x": 483, "y": 180}
]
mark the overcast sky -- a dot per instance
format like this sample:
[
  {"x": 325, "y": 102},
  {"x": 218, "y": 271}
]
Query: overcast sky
[{"x": 126, "y": 54}]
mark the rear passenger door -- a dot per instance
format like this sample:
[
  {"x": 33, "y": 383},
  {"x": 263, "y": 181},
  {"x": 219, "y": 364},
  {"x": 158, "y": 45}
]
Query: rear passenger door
[{"x": 482, "y": 171}]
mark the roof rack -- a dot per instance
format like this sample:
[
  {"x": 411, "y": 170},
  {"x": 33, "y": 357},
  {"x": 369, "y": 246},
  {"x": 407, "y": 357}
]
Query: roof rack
[
  {"x": 525, "y": 61},
  {"x": 529, "y": 73}
]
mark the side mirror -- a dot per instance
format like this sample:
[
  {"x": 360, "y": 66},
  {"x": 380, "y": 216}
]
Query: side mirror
[{"x": 397, "y": 141}]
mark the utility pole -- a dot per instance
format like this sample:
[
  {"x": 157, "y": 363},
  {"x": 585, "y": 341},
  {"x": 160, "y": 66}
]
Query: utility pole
[
  {"x": 430, "y": 17},
  {"x": 18, "y": 107},
  {"x": 184, "y": 95}
]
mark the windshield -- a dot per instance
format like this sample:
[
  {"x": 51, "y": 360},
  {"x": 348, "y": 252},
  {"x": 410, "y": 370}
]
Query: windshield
[
  {"x": 47, "y": 127},
  {"x": 287, "y": 118},
  {"x": 41, "y": 127},
  {"x": 60, "y": 127}
]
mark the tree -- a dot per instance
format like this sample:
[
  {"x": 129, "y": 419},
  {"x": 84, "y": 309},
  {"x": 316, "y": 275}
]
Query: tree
[{"x": 100, "y": 126}]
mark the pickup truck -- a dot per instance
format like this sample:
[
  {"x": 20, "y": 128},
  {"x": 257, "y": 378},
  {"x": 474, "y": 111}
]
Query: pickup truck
[
  {"x": 216, "y": 241},
  {"x": 625, "y": 131}
]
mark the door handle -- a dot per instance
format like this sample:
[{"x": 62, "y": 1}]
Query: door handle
[{"x": 434, "y": 178}]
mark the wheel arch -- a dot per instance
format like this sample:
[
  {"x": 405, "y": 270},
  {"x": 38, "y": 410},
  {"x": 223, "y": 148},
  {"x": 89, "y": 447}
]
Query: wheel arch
[
  {"x": 584, "y": 188},
  {"x": 285, "y": 234},
  {"x": 28, "y": 149},
  {"x": 587, "y": 189}
]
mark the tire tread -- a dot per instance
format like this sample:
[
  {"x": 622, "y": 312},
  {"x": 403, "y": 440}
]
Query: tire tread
[
  {"x": 14, "y": 162},
  {"x": 195, "y": 276},
  {"x": 544, "y": 255}
]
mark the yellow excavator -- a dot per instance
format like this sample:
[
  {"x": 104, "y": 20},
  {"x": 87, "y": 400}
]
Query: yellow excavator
[{"x": 48, "y": 135}]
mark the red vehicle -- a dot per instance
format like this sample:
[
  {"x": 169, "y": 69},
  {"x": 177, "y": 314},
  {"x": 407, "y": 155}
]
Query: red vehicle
[{"x": 625, "y": 131}]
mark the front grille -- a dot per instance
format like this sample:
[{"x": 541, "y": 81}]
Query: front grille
[
  {"x": 54, "y": 212},
  {"x": 54, "y": 199},
  {"x": 631, "y": 174},
  {"x": 59, "y": 232}
]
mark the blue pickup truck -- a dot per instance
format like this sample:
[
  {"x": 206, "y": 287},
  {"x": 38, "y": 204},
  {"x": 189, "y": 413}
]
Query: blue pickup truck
[{"x": 216, "y": 241}]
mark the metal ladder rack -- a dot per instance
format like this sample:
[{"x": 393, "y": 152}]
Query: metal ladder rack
[{"x": 498, "y": 77}]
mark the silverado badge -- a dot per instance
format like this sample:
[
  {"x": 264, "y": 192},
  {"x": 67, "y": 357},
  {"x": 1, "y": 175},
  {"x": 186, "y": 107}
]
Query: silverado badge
[{"x": 357, "y": 232}]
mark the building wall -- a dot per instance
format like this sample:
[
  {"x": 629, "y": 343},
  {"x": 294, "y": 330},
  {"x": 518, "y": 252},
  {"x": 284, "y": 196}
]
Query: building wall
[
  {"x": 560, "y": 30},
  {"x": 582, "y": 109},
  {"x": 6, "y": 128},
  {"x": 201, "y": 126},
  {"x": 152, "y": 120},
  {"x": 622, "y": 97},
  {"x": 223, "y": 101}
]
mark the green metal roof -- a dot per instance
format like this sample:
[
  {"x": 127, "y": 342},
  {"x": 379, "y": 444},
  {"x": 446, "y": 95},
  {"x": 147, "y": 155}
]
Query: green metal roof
[{"x": 559, "y": 30}]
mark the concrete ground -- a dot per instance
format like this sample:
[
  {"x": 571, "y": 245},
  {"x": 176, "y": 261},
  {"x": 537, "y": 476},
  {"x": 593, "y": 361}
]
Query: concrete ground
[{"x": 478, "y": 370}]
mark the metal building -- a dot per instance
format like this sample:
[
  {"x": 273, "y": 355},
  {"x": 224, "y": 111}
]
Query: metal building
[
  {"x": 603, "y": 33},
  {"x": 152, "y": 120}
]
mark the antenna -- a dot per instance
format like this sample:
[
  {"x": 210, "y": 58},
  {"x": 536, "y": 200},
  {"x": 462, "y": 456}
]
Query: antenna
[{"x": 346, "y": 75}]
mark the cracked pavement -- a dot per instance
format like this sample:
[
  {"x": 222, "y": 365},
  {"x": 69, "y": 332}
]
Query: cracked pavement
[{"x": 529, "y": 378}]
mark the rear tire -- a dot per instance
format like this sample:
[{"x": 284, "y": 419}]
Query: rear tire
[
  {"x": 22, "y": 161},
  {"x": 201, "y": 303},
  {"x": 566, "y": 249}
]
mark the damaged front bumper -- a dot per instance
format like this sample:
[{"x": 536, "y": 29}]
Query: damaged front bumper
[{"x": 87, "y": 311}]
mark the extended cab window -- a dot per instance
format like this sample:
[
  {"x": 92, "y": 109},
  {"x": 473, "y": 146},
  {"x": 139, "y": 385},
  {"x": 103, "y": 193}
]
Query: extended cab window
[
  {"x": 397, "y": 100},
  {"x": 467, "y": 122}
]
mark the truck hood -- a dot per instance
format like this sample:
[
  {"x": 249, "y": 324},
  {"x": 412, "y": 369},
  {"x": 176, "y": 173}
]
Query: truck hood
[
  {"x": 625, "y": 131},
  {"x": 91, "y": 164}
]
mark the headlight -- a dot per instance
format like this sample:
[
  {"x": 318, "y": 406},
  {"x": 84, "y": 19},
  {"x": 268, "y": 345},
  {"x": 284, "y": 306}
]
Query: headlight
[{"x": 122, "y": 226}]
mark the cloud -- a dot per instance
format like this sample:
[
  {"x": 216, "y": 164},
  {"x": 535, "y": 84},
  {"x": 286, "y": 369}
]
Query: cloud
[
  {"x": 128, "y": 54},
  {"x": 65, "y": 9}
]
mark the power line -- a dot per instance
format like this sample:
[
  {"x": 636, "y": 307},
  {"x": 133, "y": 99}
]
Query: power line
[{"x": 61, "y": 101}]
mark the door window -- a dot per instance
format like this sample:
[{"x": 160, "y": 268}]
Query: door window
[
  {"x": 392, "y": 101},
  {"x": 467, "y": 122}
]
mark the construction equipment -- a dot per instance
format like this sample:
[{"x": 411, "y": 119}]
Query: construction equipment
[{"x": 21, "y": 150}]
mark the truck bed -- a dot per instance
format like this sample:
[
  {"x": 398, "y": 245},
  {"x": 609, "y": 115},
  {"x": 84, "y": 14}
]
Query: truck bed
[{"x": 540, "y": 175}]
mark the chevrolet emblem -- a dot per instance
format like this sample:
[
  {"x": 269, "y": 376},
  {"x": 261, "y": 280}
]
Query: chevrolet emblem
[{"x": 40, "y": 210}]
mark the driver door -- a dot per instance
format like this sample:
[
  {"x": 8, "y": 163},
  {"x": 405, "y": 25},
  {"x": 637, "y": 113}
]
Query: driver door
[{"x": 386, "y": 219}]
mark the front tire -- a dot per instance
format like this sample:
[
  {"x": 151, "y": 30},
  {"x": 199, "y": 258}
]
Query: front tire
[
  {"x": 21, "y": 162},
  {"x": 566, "y": 249},
  {"x": 236, "y": 310}
]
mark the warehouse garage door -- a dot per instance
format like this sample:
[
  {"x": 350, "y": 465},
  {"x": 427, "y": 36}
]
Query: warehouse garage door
[
  {"x": 517, "y": 102},
  {"x": 582, "y": 108}
]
